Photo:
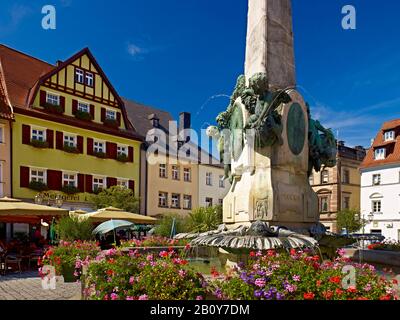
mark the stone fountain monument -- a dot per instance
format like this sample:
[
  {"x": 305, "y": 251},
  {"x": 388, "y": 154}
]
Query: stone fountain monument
[{"x": 269, "y": 144}]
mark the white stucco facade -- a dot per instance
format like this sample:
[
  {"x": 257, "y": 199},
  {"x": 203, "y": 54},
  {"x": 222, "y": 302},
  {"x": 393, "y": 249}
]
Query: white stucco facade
[
  {"x": 380, "y": 195},
  {"x": 210, "y": 185}
]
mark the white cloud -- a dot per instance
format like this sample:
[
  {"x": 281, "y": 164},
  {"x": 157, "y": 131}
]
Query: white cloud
[{"x": 135, "y": 50}]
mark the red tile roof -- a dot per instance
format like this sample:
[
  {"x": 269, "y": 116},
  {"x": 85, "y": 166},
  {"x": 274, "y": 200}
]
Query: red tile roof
[{"x": 392, "y": 147}]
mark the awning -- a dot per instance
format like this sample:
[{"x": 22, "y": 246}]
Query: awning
[
  {"x": 112, "y": 213},
  {"x": 16, "y": 208}
]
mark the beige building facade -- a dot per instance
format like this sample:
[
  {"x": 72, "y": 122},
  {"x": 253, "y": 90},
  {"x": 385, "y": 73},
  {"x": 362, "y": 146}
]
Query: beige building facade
[
  {"x": 212, "y": 185},
  {"x": 339, "y": 188}
]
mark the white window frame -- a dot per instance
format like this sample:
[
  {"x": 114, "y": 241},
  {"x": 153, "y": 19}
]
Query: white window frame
[
  {"x": 209, "y": 178},
  {"x": 2, "y": 129},
  {"x": 162, "y": 171},
  {"x": 209, "y": 204},
  {"x": 101, "y": 186},
  {"x": 175, "y": 172},
  {"x": 96, "y": 147},
  {"x": 53, "y": 98},
  {"x": 124, "y": 183},
  {"x": 68, "y": 179},
  {"x": 380, "y": 153},
  {"x": 375, "y": 205},
  {"x": 162, "y": 199},
  {"x": 36, "y": 176},
  {"x": 79, "y": 76},
  {"x": 111, "y": 114},
  {"x": 376, "y": 179},
  {"x": 74, "y": 139},
  {"x": 175, "y": 200},
  {"x": 221, "y": 181},
  {"x": 323, "y": 176},
  {"x": 389, "y": 135},
  {"x": 83, "y": 106},
  {"x": 37, "y": 129},
  {"x": 120, "y": 151},
  {"x": 187, "y": 202},
  {"x": 89, "y": 79},
  {"x": 187, "y": 174}
]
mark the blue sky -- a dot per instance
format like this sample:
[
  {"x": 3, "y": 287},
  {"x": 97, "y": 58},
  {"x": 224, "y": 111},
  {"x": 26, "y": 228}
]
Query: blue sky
[{"x": 185, "y": 55}]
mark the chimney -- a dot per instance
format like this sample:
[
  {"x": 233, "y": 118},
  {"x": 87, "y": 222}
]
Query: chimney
[
  {"x": 58, "y": 63},
  {"x": 154, "y": 120},
  {"x": 185, "y": 124}
]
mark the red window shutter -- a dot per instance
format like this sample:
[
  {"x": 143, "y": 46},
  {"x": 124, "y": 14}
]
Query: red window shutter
[
  {"x": 89, "y": 183},
  {"x": 26, "y": 134},
  {"x": 103, "y": 114},
  {"x": 43, "y": 97},
  {"x": 81, "y": 182},
  {"x": 59, "y": 140},
  {"x": 74, "y": 106},
  {"x": 90, "y": 146},
  {"x": 79, "y": 143},
  {"x": 92, "y": 111},
  {"x": 111, "y": 149},
  {"x": 119, "y": 118},
  {"x": 130, "y": 154},
  {"x": 111, "y": 182},
  {"x": 54, "y": 180},
  {"x": 50, "y": 138},
  {"x": 24, "y": 177},
  {"x": 62, "y": 103},
  {"x": 132, "y": 185}
]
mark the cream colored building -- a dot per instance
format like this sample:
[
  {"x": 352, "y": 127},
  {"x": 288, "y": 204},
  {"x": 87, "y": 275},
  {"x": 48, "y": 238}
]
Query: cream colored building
[
  {"x": 212, "y": 185},
  {"x": 339, "y": 188}
]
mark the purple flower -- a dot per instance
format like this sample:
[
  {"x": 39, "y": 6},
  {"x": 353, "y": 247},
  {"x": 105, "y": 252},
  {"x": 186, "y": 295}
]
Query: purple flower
[
  {"x": 144, "y": 297},
  {"x": 280, "y": 296},
  {"x": 114, "y": 296},
  {"x": 199, "y": 298},
  {"x": 129, "y": 298},
  {"x": 218, "y": 293},
  {"x": 258, "y": 293},
  {"x": 131, "y": 280}
]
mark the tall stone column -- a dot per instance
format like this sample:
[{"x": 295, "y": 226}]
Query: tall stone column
[{"x": 269, "y": 45}]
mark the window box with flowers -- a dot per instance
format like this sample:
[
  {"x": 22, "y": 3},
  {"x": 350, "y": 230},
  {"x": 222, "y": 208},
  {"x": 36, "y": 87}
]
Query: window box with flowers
[
  {"x": 82, "y": 115},
  {"x": 53, "y": 108},
  {"x": 70, "y": 149},
  {"x": 122, "y": 157},
  {"x": 99, "y": 154},
  {"x": 112, "y": 123},
  {"x": 70, "y": 190},
  {"x": 39, "y": 144},
  {"x": 38, "y": 186}
]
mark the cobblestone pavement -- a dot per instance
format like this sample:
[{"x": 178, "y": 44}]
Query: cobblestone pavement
[{"x": 28, "y": 286}]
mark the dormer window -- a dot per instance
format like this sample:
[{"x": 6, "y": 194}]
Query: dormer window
[
  {"x": 79, "y": 75},
  {"x": 89, "y": 79},
  {"x": 52, "y": 99},
  {"x": 111, "y": 115},
  {"x": 389, "y": 135},
  {"x": 380, "y": 154}
]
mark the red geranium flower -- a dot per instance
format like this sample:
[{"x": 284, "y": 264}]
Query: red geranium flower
[
  {"x": 309, "y": 296},
  {"x": 336, "y": 279},
  {"x": 327, "y": 294},
  {"x": 387, "y": 297},
  {"x": 252, "y": 254},
  {"x": 352, "y": 290},
  {"x": 318, "y": 283}
]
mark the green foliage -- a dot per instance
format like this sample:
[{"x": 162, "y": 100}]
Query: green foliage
[
  {"x": 72, "y": 229},
  {"x": 39, "y": 144},
  {"x": 118, "y": 197},
  {"x": 38, "y": 186},
  {"x": 154, "y": 241},
  {"x": 101, "y": 155},
  {"x": 69, "y": 149},
  {"x": 111, "y": 123},
  {"x": 349, "y": 220},
  {"x": 205, "y": 219},
  {"x": 70, "y": 190},
  {"x": 163, "y": 228},
  {"x": 122, "y": 158},
  {"x": 83, "y": 115},
  {"x": 53, "y": 108},
  {"x": 132, "y": 276}
]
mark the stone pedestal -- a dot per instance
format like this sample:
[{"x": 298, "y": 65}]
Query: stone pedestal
[{"x": 271, "y": 184}]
